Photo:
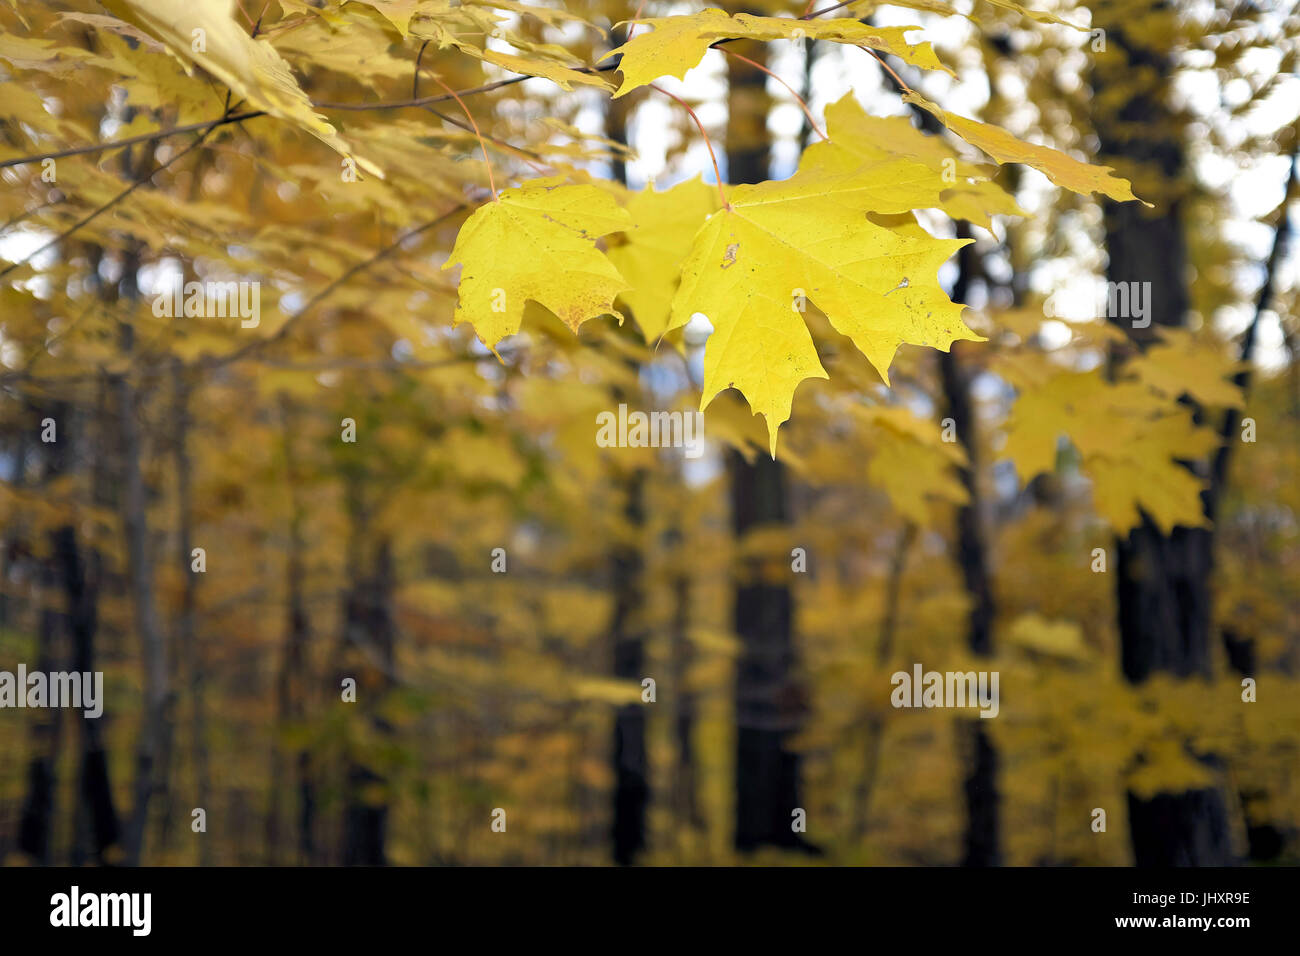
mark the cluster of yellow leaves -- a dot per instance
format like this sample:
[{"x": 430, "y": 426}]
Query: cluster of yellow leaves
[
  {"x": 753, "y": 266},
  {"x": 912, "y": 463},
  {"x": 838, "y": 236},
  {"x": 1132, "y": 435},
  {"x": 204, "y": 32}
]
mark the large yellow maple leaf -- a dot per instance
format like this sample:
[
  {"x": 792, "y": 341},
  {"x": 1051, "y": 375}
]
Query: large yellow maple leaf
[
  {"x": 755, "y": 264},
  {"x": 538, "y": 242}
]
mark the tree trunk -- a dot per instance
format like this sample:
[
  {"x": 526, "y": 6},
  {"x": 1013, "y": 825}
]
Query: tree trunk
[
  {"x": 631, "y": 767},
  {"x": 97, "y": 818},
  {"x": 981, "y": 843},
  {"x": 368, "y": 634},
  {"x": 186, "y": 626},
  {"x": 37, "y": 816},
  {"x": 631, "y": 789},
  {"x": 1162, "y": 580},
  {"x": 292, "y": 677},
  {"x": 768, "y": 701},
  {"x": 686, "y": 811}
]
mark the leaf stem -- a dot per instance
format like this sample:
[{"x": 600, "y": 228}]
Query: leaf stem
[
  {"x": 707, "y": 142},
  {"x": 105, "y": 207},
  {"x": 633, "y": 22},
  {"x": 482, "y": 143},
  {"x": 803, "y": 105},
  {"x": 897, "y": 79}
]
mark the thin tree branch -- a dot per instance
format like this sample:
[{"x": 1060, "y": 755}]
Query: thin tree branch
[
  {"x": 206, "y": 125},
  {"x": 1232, "y": 420},
  {"x": 329, "y": 289},
  {"x": 108, "y": 205},
  {"x": 414, "y": 101}
]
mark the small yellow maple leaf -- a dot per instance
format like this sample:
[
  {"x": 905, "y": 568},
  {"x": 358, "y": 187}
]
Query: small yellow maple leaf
[
  {"x": 1131, "y": 440},
  {"x": 1183, "y": 363},
  {"x": 676, "y": 44},
  {"x": 1065, "y": 171},
  {"x": 538, "y": 243}
]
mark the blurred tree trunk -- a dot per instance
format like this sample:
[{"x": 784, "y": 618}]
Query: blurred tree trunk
[
  {"x": 768, "y": 702},
  {"x": 631, "y": 789},
  {"x": 981, "y": 843},
  {"x": 37, "y": 817},
  {"x": 368, "y": 653},
  {"x": 186, "y": 625},
  {"x": 1162, "y": 580},
  {"x": 686, "y": 810},
  {"x": 153, "y": 743},
  {"x": 9, "y": 546},
  {"x": 97, "y": 830},
  {"x": 631, "y": 767},
  {"x": 291, "y": 680}
]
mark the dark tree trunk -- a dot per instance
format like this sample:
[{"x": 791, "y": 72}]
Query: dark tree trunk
[
  {"x": 631, "y": 789},
  {"x": 153, "y": 744},
  {"x": 1162, "y": 580},
  {"x": 981, "y": 842},
  {"x": 95, "y": 811},
  {"x": 769, "y": 703},
  {"x": 37, "y": 816},
  {"x": 368, "y": 644},
  {"x": 630, "y": 762},
  {"x": 186, "y": 623},
  {"x": 38, "y": 806},
  {"x": 292, "y": 679},
  {"x": 686, "y": 810}
]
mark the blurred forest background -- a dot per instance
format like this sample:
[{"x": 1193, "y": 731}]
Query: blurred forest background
[{"x": 769, "y": 600}]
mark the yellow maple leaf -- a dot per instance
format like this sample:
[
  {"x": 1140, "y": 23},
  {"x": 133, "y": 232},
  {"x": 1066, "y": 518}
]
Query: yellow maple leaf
[
  {"x": 396, "y": 12},
  {"x": 777, "y": 245},
  {"x": 1130, "y": 439},
  {"x": 961, "y": 189},
  {"x": 1038, "y": 15},
  {"x": 675, "y": 45},
  {"x": 1060, "y": 639},
  {"x": 538, "y": 243},
  {"x": 1061, "y": 169},
  {"x": 557, "y": 73},
  {"x": 910, "y": 461},
  {"x": 1183, "y": 363}
]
